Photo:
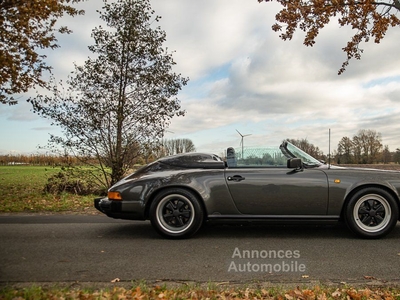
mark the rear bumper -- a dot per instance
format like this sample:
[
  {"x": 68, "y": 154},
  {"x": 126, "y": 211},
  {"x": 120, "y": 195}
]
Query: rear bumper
[
  {"x": 130, "y": 210},
  {"x": 104, "y": 205}
]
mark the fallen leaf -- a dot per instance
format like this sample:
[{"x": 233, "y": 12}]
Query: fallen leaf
[
  {"x": 288, "y": 297},
  {"x": 246, "y": 293},
  {"x": 336, "y": 293},
  {"x": 370, "y": 277},
  {"x": 305, "y": 276},
  {"x": 116, "y": 280},
  {"x": 264, "y": 292},
  {"x": 366, "y": 293},
  {"x": 353, "y": 294},
  {"x": 298, "y": 292},
  {"x": 322, "y": 297}
]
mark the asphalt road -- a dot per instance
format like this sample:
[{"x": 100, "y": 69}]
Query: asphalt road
[{"x": 71, "y": 248}]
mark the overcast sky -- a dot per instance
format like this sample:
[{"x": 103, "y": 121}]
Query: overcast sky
[{"x": 243, "y": 77}]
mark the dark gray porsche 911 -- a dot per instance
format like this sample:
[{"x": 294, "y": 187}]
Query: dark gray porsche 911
[{"x": 278, "y": 185}]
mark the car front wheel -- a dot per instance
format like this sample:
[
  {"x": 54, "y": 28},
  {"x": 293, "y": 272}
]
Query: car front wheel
[
  {"x": 372, "y": 213},
  {"x": 176, "y": 213}
]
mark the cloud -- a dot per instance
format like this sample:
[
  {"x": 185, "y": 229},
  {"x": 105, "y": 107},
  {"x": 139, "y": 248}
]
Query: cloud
[
  {"x": 22, "y": 112},
  {"x": 47, "y": 128},
  {"x": 210, "y": 33},
  {"x": 243, "y": 76},
  {"x": 278, "y": 80}
]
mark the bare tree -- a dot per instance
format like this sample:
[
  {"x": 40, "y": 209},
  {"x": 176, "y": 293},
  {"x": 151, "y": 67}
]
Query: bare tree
[
  {"x": 396, "y": 156},
  {"x": 386, "y": 155},
  {"x": 307, "y": 147},
  {"x": 370, "y": 144},
  {"x": 344, "y": 151},
  {"x": 118, "y": 103},
  {"x": 176, "y": 146},
  {"x": 365, "y": 148}
]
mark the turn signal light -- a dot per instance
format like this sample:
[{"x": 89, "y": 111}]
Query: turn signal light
[{"x": 114, "y": 196}]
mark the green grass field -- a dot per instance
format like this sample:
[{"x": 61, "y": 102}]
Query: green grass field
[{"x": 21, "y": 190}]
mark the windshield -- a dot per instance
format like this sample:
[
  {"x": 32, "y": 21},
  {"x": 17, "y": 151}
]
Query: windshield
[{"x": 291, "y": 151}]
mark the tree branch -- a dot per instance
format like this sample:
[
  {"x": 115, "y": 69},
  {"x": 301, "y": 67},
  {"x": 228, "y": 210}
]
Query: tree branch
[{"x": 396, "y": 4}]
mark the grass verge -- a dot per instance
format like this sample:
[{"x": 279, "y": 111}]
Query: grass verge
[{"x": 21, "y": 190}]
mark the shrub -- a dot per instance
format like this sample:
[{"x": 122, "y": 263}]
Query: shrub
[{"x": 75, "y": 181}]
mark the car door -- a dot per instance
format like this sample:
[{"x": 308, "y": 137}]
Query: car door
[{"x": 278, "y": 191}]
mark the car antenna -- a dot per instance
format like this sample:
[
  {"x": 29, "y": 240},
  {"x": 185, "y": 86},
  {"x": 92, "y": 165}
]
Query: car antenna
[{"x": 329, "y": 149}]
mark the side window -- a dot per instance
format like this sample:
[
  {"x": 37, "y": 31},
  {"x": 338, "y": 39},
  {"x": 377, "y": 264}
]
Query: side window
[{"x": 255, "y": 158}]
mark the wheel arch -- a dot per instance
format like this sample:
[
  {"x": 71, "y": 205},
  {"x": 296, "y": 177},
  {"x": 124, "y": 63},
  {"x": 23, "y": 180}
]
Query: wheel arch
[
  {"x": 364, "y": 186},
  {"x": 154, "y": 194}
]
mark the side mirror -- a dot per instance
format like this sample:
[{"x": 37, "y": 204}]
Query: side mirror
[{"x": 294, "y": 163}]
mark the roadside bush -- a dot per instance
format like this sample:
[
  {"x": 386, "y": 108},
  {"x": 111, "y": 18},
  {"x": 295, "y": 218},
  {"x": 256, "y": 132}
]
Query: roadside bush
[{"x": 75, "y": 181}]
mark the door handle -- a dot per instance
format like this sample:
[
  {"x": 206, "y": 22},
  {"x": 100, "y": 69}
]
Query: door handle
[{"x": 235, "y": 178}]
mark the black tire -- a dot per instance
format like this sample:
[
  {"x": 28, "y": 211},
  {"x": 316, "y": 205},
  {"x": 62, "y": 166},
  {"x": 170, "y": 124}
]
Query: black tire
[
  {"x": 371, "y": 213},
  {"x": 176, "y": 213}
]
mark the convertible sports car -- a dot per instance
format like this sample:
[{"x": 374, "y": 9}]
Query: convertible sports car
[{"x": 278, "y": 185}]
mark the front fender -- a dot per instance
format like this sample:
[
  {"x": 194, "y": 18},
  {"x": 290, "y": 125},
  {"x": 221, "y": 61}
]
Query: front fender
[{"x": 343, "y": 184}]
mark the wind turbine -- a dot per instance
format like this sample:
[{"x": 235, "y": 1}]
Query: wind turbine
[{"x": 241, "y": 142}]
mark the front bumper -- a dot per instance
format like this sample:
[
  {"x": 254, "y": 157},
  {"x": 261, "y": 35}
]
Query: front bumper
[{"x": 130, "y": 210}]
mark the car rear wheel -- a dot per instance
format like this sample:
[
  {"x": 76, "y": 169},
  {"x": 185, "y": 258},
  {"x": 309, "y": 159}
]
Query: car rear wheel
[
  {"x": 372, "y": 213},
  {"x": 176, "y": 213}
]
